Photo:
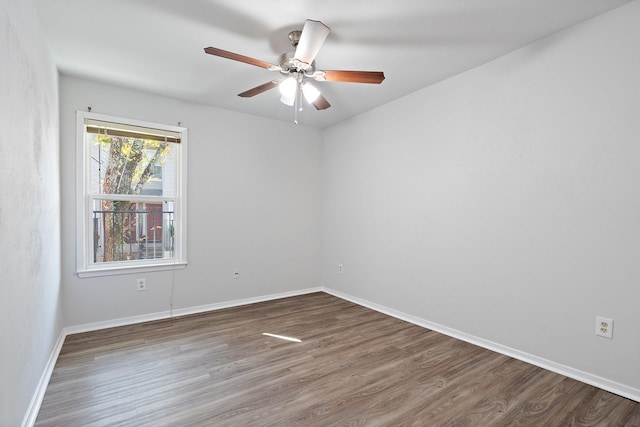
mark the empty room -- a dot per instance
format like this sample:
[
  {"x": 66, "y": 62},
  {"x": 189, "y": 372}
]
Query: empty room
[{"x": 320, "y": 213}]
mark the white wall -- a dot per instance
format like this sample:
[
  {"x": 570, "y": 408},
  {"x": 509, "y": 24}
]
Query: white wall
[
  {"x": 504, "y": 202},
  {"x": 253, "y": 203},
  {"x": 30, "y": 312}
]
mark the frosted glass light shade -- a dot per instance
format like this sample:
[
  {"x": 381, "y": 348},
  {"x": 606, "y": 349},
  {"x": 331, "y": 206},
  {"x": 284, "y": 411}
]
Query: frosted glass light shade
[
  {"x": 288, "y": 101},
  {"x": 288, "y": 87},
  {"x": 310, "y": 92}
]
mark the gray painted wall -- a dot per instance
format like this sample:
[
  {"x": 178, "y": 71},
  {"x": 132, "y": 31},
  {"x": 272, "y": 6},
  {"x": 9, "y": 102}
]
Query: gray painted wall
[
  {"x": 253, "y": 203},
  {"x": 30, "y": 312},
  {"x": 501, "y": 203},
  {"x": 504, "y": 202}
]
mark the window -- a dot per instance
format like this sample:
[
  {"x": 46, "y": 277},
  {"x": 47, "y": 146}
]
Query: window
[{"x": 131, "y": 200}]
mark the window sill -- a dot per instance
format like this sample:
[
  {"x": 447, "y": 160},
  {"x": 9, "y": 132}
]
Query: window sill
[{"x": 130, "y": 269}]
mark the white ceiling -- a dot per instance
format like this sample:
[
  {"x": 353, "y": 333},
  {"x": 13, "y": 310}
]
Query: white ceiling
[{"x": 157, "y": 45}]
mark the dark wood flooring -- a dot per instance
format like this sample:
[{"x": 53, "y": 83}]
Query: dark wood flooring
[{"x": 353, "y": 366}]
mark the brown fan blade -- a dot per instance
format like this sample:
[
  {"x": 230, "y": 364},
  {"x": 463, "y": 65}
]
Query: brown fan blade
[
  {"x": 373, "y": 77},
  {"x": 241, "y": 58},
  {"x": 259, "y": 89},
  {"x": 321, "y": 103},
  {"x": 313, "y": 36}
]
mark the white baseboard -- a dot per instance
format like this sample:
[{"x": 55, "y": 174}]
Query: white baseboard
[
  {"x": 96, "y": 326},
  {"x": 585, "y": 377},
  {"x": 36, "y": 401},
  {"x": 88, "y": 327},
  {"x": 239, "y": 302}
]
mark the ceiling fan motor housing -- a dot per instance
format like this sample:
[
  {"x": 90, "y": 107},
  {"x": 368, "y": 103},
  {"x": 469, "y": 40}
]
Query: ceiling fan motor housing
[{"x": 289, "y": 64}]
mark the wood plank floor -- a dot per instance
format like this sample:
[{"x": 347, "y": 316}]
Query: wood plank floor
[{"x": 353, "y": 366}]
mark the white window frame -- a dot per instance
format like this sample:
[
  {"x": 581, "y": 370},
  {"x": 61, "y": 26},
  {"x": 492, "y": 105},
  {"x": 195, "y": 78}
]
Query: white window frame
[{"x": 84, "y": 246}]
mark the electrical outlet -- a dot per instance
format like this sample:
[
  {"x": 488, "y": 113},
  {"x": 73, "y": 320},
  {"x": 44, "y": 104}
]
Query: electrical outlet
[
  {"x": 340, "y": 268},
  {"x": 604, "y": 327},
  {"x": 236, "y": 273},
  {"x": 142, "y": 284}
]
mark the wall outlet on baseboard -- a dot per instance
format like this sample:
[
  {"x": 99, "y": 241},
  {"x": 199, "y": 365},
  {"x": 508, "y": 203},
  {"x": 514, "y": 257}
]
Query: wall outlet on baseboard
[
  {"x": 340, "y": 268},
  {"x": 604, "y": 327},
  {"x": 141, "y": 284}
]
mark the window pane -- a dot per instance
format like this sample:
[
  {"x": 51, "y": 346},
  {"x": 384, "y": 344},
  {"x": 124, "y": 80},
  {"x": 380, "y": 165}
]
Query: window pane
[
  {"x": 123, "y": 230},
  {"x": 122, "y": 165}
]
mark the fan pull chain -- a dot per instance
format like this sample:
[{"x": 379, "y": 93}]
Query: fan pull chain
[{"x": 297, "y": 106}]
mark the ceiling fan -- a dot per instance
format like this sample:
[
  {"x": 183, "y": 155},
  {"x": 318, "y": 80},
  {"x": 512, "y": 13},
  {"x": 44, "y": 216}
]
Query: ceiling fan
[{"x": 298, "y": 67}]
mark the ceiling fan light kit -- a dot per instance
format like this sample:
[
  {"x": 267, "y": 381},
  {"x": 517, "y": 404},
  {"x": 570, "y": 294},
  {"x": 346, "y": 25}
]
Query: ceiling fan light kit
[{"x": 299, "y": 67}]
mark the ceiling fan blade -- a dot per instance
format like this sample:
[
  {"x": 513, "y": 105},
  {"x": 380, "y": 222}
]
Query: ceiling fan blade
[
  {"x": 259, "y": 89},
  {"x": 321, "y": 103},
  {"x": 241, "y": 58},
  {"x": 313, "y": 36},
  {"x": 373, "y": 77}
]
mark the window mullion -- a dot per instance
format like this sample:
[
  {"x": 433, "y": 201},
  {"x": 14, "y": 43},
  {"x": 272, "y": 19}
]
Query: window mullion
[{"x": 131, "y": 198}]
